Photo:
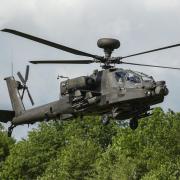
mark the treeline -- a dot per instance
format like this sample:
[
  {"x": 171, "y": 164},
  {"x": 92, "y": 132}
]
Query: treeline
[{"x": 88, "y": 150}]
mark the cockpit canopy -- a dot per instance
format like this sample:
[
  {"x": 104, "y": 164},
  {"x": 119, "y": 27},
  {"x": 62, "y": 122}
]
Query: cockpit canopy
[{"x": 132, "y": 76}]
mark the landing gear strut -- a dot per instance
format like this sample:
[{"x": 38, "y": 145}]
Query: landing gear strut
[
  {"x": 10, "y": 130},
  {"x": 133, "y": 123},
  {"x": 105, "y": 119}
]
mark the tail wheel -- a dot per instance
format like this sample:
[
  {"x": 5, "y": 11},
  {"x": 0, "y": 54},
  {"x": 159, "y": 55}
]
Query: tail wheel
[
  {"x": 133, "y": 123},
  {"x": 10, "y": 130}
]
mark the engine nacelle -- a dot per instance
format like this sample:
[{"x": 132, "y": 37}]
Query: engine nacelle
[{"x": 81, "y": 83}]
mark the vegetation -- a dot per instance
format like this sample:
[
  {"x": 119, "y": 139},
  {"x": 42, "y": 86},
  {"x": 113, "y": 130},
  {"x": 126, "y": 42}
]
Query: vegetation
[{"x": 79, "y": 150}]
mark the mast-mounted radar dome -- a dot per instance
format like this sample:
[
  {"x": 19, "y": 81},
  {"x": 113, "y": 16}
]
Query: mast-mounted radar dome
[{"x": 108, "y": 45}]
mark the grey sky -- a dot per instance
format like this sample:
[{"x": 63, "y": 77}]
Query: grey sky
[{"x": 138, "y": 24}]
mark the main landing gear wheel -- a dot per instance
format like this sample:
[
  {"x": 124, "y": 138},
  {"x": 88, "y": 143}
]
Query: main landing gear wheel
[
  {"x": 105, "y": 120},
  {"x": 133, "y": 123}
]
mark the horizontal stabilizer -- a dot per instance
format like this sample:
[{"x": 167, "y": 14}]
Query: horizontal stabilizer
[{"x": 6, "y": 115}]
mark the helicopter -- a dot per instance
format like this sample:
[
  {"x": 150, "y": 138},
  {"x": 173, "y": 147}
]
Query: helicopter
[{"x": 111, "y": 93}]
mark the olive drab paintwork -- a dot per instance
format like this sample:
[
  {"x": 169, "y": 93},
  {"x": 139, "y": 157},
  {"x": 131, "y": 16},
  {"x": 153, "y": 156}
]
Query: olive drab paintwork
[
  {"x": 110, "y": 93},
  {"x": 118, "y": 93}
]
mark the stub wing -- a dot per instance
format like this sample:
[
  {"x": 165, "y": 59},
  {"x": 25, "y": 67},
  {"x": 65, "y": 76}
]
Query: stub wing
[{"x": 6, "y": 115}]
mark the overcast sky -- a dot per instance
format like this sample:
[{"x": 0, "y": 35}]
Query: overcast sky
[{"x": 139, "y": 25}]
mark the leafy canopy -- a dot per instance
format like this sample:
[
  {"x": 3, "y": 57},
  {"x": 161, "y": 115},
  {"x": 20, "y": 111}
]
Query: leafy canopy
[{"x": 88, "y": 150}]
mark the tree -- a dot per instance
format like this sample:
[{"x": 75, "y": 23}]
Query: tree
[
  {"x": 30, "y": 158},
  {"x": 6, "y": 144},
  {"x": 86, "y": 149},
  {"x": 85, "y": 141},
  {"x": 151, "y": 151},
  {"x": 75, "y": 161}
]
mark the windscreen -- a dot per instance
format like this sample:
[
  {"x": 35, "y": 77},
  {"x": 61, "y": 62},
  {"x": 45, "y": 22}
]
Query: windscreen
[{"x": 145, "y": 77}]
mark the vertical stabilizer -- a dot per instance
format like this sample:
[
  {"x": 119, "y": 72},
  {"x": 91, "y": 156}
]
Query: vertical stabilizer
[{"x": 15, "y": 97}]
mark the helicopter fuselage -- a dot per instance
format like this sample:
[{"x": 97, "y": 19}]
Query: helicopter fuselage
[
  {"x": 123, "y": 93},
  {"x": 119, "y": 93}
]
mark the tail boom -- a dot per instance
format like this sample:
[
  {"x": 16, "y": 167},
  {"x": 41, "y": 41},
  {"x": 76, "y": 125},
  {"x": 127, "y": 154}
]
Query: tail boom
[
  {"x": 15, "y": 97},
  {"x": 54, "y": 110}
]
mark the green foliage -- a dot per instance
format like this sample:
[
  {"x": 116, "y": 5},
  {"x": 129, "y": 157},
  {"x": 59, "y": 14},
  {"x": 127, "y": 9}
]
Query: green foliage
[
  {"x": 86, "y": 149},
  {"x": 6, "y": 144},
  {"x": 75, "y": 161},
  {"x": 150, "y": 152},
  {"x": 30, "y": 158}
]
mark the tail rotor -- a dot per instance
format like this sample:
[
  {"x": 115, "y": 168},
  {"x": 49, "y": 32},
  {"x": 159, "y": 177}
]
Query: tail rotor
[{"x": 24, "y": 87}]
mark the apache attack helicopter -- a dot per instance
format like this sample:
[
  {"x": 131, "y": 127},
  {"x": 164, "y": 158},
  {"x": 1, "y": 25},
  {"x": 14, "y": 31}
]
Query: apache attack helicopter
[{"x": 111, "y": 92}]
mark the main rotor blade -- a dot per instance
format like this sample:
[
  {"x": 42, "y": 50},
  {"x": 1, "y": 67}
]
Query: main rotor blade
[
  {"x": 30, "y": 97},
  {"x": 27, "y": 73},
  {"x": 49, "y": 43},
  {"x": 153, "y": 50},
  {"x": 21, "y": 78},
  {"x": 148, "y": 65},
  {"x": 62, "y": 62}
]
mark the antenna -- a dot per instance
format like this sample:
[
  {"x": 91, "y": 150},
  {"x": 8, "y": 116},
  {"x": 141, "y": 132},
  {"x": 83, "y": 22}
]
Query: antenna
[
  {"x": 12, "y": 63},
  {"x": 12, "y": 68}
]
